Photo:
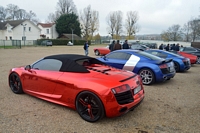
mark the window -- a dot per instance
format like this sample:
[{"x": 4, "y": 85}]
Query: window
[
  {"x": 23, "y": 38},
  {"x": 119, "y": 55},
  {"x": 10, "y": 37},
  {"x": 29, "y": 29},
  {"x": 24, "y": 28},
  {"x": 48, "y": 64},
  {"x": 154, "y": 55},
  {"x": 47, "y": 31}
]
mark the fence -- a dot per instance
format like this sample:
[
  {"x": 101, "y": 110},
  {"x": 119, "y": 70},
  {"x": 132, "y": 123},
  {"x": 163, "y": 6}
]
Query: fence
[{"x": 16, "y": 43}]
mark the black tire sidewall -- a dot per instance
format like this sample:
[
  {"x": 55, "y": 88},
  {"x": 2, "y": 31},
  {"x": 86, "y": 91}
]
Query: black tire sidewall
[
  {"x": 97, "y": 99},
  {"x": 20, "y": 91}
]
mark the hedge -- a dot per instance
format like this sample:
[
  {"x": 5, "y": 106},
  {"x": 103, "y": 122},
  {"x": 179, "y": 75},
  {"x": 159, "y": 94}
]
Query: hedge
[{"x": 63, "y": 41}]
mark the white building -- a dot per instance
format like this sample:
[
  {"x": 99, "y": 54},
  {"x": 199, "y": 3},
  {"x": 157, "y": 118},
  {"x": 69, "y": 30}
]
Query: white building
[
  {"x": 17, "y": 29},
  {"x": 48, "y": 30}
]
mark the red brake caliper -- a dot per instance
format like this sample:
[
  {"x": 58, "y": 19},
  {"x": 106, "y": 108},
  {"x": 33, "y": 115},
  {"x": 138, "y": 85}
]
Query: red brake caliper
[{"x": 89, "y": 107}]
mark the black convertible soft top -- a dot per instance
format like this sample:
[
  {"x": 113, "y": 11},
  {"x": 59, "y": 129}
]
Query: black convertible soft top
[{"x": 74, "y": 62}]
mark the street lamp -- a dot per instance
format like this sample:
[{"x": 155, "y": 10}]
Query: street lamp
[
  {"x": 24, "y": 25},
  {"x": 72, "y": 36}
]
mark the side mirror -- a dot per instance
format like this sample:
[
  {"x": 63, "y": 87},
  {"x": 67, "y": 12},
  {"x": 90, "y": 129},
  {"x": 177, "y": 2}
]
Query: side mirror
[
  {"x": 104, "y": 57},
  {"x": 28, "y": 67}
]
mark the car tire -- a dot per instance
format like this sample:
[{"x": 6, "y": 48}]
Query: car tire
[
  {"x": 97, "y": 52},
  {"x": 147, "y": 76},
  {"x": 15, "y": 83},
  {"x": 176, "y": 66},
  {"x": 89, "y": 106}
]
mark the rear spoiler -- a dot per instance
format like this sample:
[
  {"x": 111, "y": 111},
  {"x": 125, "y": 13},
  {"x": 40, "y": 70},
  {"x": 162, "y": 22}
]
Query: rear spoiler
[{"x": 165, "y": 61}]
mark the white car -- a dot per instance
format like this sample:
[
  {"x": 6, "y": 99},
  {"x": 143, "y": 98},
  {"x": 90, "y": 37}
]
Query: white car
[{"x": 70, "y": 43}]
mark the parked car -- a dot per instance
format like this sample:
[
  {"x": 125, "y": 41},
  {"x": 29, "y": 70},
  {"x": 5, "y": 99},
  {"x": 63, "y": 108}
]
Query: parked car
[
  {"x": 139, "y": 47},
  {"x": 101, "y": 51},
  {"x": 70, "y": 43},
  {"x": 151, "y": 68},
  {"x": 151, "y": 45},
  {"x": 192, "y": 50},
  {"x": 193, "y": 58},
  {"x": 181, "y": 63},
  {"x": 80, "y": 82},
  {"x": 47, "y": 43}
]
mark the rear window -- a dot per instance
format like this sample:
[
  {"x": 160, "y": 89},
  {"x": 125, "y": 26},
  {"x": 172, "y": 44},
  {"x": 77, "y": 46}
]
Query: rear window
[{"x": 150, "y": 56}]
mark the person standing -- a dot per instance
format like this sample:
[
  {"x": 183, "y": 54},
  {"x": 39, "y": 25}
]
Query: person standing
[
  {"x": 177, "y": 47},
  {"x": 111, "y": 46},
  {"x": 125, "y": 45},
  {"x": 167, "y": 47},
  {"x": 117, "y": 46},
  {"x": 161, "y": 47},
  {"x": 86, "y": 47}
]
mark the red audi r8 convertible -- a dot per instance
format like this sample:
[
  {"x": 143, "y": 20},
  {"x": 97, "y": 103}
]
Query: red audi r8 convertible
[
  {"x": 80, "y": 82},
  {"x": 101, "y": 51}
]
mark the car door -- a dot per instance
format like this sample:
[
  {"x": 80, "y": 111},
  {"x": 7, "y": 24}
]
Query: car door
[
  {"x": 117, "y": 59},
  {"x": 42, "y": 78}
]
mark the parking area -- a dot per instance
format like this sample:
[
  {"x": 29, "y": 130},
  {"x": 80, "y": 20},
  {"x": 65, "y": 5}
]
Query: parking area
[{"x": 169, "y": 107}]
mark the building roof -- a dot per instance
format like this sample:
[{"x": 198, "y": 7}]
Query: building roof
[
  {"x": 46, "y": 25},
  {"x": 13, "y": 23},
  {"x": 69, "y": 36}
]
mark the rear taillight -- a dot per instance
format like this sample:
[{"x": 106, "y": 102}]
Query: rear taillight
[
  {"x": 121, "y": 89},
  {"x": 163, "y": 66}
]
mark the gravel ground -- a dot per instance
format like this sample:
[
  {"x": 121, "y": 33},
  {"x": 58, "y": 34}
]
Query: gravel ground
[{"x": 168, "y": 107}]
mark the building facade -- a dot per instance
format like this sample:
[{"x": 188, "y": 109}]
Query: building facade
[
  {"x": 48, "y": 30},
  {"x": 19, "y": 30}
]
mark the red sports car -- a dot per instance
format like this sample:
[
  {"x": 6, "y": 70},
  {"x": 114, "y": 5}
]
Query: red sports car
[
  {"x": 101, "y": 51},
  {"x": 193, "y": 58},
  {"x": 80, "y": 82}
]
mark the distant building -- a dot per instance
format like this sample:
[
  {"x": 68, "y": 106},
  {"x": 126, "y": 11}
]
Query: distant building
[
  {"x": 48, "y": 30},
  {"x": 19, "y": 29}
]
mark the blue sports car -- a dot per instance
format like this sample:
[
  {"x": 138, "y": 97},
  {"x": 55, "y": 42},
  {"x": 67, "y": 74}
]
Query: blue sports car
[
  {"x": 151, "y": 68},
  {"x": 181, "y": 63}
]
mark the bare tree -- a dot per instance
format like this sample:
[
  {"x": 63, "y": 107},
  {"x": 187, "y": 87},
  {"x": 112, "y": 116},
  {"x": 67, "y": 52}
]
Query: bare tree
[
  {"x": 85, "y": 21},
  {"x": 186, "y": 31},
  {"x": 195, "y": 28},
  {"x": 131, "y": 23},
  {"x": 173, "y": 33},
  {"x": 52, "y": 17},
  {"x": 21, "y": 14},
  {"x": 111, "y": 21},
  {"x": 66, "y": 7},
  {"x": 118, "y": 26},
  {"x": 12, "y": 10},
  {"x": 3, "y": 13},
  {"x": 94, "y": 22}
]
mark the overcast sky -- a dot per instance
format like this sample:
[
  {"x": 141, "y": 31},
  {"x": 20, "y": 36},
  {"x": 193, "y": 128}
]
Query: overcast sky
[{"x": 154, "y": 15}]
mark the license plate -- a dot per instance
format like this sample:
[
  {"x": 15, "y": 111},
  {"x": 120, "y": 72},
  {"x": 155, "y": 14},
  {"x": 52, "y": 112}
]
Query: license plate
[
  {"x": 136, "y": 90},
  {"x": 171, "y": 69}
]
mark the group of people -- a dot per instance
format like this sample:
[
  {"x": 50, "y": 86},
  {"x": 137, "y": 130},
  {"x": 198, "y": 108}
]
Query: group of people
[
  {"x": 116, "y": 46},
  {"x": 168, "y": 47},
  {"x": 113, "y": 46}
]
